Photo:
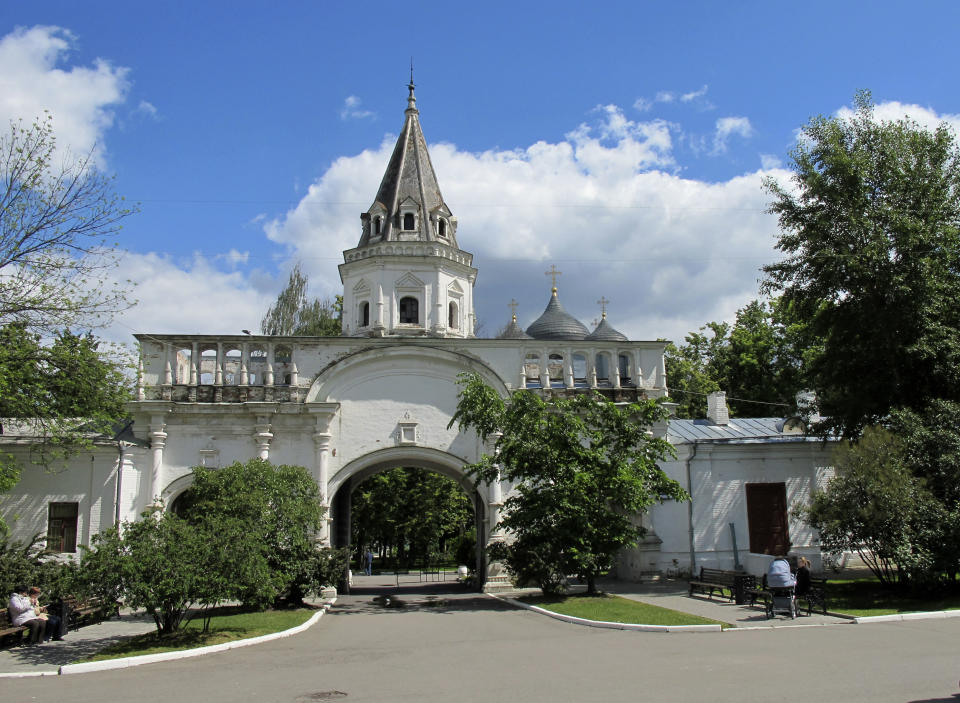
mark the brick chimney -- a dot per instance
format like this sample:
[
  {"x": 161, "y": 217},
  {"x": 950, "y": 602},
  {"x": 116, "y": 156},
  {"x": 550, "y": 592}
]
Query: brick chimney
[{"x": 717, "y": 411}]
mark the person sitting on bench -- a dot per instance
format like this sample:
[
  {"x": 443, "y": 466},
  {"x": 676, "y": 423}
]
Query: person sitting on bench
[{"x": 22, "y": 613}]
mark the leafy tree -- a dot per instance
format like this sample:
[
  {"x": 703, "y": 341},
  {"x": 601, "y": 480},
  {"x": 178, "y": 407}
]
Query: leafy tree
[
  {"x": 757, "y": 361},
  {"x": 413, "y": 515},
  {"x": 163, "y": 564},
  {"x": 68, "y": 390},
  {"x": 582, "y": 468},
  {"x": 691, "y": 369},
  {"x": 295, "y": 314},
  {"x": 56, "y": 222},
  {"x": 25, "y": 563},
  {"x": 57, "y": 218},
  {"x": 877, "y": 507},
  {"x": 275, "y": 509},
  {"x": 931, "y": 441},
  {"x": 869, "y": 230}
]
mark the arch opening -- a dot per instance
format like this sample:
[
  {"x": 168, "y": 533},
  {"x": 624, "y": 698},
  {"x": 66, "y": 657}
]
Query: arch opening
[{"x": 398, "y": 465}]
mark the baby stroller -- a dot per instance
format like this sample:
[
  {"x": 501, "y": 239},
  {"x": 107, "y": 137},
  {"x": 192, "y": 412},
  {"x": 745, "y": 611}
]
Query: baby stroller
[{"x": 782, "y": 601}]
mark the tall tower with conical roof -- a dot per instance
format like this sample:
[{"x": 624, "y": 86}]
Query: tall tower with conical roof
[{"x": 408, "y": 276}]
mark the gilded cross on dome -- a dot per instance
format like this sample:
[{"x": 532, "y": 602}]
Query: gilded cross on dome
[
  {"x": 603, "y": 302},
  {"x": 513, "y": 307},
  {"x": 553, "y": 273}
]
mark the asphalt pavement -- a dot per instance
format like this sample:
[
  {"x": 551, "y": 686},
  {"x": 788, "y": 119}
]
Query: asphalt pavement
[{"x": 434, "y": 642}]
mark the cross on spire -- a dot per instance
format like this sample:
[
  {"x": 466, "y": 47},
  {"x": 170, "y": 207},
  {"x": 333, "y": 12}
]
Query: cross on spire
[
  {"x": 603, "y": 302},
  {"x": 513, "y": 308},
  {"x": 553, "y": 273}
]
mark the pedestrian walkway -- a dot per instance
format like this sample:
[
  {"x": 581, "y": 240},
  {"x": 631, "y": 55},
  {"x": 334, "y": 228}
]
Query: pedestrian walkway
[
  {"x": 674, "y": 595},
  {"x": 47, "y": 658}
]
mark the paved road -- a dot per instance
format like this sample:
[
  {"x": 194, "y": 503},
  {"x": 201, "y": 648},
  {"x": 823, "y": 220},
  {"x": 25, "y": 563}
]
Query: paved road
[{"x": 468, "y": 647}]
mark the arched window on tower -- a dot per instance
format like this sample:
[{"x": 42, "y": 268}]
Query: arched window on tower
[
  {"x": 409, "y": 310},
  {"x": 442, "y": 228},
  {"x": 364, "y": 314},
  {"x": 623, "y": 365},
  {"x": 453, "y": 316},
  {"x": 409, "y": 221},
  {"x": 377, "y": 223}
]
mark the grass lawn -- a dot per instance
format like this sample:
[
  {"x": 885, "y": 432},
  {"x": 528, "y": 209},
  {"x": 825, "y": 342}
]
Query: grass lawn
[
  {"x": 610, "y": 608},
  {"x": 864, "y": 596},
  {"x": 224, "y": 627}
]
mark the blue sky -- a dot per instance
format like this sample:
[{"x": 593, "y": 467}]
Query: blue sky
[{"x": 624, "y": 141}]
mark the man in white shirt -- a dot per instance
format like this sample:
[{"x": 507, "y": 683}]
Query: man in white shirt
[{"x": 22, "y": 613}]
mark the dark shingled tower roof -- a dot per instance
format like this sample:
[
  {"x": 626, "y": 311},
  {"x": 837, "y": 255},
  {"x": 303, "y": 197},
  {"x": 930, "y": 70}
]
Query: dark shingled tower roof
[
  {"x": 606, "y": 333},
  {"x": 410, "y": 178},
  {"x": 557, "y": 323},
  {"x": 513, "y": 331}
]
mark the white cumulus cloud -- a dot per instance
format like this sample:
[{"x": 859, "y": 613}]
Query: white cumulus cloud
[
  {"x": 605, "y": 205},
  {"x": 728, "y": 126},
  {"x": 80, "y": 99}
]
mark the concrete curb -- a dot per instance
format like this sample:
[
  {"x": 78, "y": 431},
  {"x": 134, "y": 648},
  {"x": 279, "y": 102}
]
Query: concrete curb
[
  {"x": 608, "y": 625},
  {"x": 185, "y": 653},
  {"x": 899, "y": 617}
]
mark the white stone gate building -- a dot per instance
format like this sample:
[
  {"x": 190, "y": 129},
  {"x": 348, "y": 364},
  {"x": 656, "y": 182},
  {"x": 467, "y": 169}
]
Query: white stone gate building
[{"x": 382, "y": 394}]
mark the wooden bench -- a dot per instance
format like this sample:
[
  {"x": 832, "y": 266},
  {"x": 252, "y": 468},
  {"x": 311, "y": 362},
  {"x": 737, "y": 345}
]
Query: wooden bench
[
  {"x": 92, "y": 610},
  {"x": 816, "y": 596},
  {"x": 736, "y": 583},
  {"x": 8, "y": 629}
]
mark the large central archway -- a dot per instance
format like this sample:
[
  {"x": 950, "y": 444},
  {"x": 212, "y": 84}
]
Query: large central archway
[{"x": 343, "y": 483}]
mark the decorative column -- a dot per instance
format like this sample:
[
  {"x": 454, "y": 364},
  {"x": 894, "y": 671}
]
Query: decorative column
[
  {"x": 262, "y": 436},
  {"x": 523, "y": 375},
  {"x": 495, "y": 493},
  {"x": 141, "y": 393},
  {"x": 497, "y": 578},
  {"x": 158, "y": 440},
  {"x": 194, "y": 364},
  {"x": 322, "y": 440},
  {"x": 544, "y": 368},
  {"x": 568, "y": 368}
]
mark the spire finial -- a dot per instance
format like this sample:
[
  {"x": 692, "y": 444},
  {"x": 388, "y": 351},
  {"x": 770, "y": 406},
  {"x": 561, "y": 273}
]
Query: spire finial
[
  {"x": 553, "y": 273},
  {"x": 411, "y": 99},
  {"x": 513, "y": 307},
  {"x": 603, "y": 302}
]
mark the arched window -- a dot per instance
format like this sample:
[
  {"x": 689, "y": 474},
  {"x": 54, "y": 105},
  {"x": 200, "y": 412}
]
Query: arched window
[
  {"x": 603, "y": 367},
  {"x": 623, "y": 364},
  {"x": 184, "y": 364},
  {"x": 208, "y": 366},
  {"x": 555, "y": 369},
  {"x": 531, "y": 367},
  {"x": 364, "y": 314},
  {"x": 579, "y": 369},
  {"x": 232, "y": 361},
  {"x": 453, "y": 316},
  {"x": 409, "y": 311},
  {"x": 409, "y": 222},
  {"x": 442, "y": 228},
  {"x": 377, "y": 221},
  {"x": 257, "y": 365}
]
